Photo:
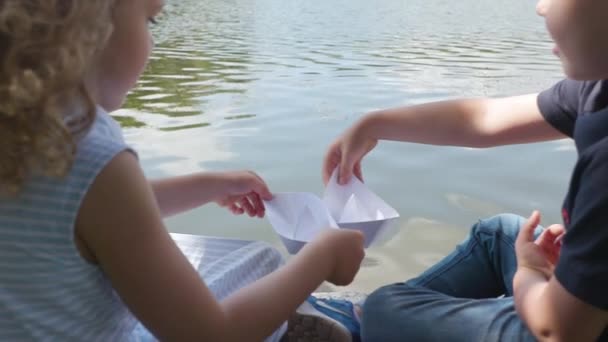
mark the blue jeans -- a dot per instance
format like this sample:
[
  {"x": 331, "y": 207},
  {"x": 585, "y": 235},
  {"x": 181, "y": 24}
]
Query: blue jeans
[{"x": 467, "y": 296}]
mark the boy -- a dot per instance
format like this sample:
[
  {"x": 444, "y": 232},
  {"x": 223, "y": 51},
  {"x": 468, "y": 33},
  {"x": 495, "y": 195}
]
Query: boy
[{"x": 553, "y": 280}]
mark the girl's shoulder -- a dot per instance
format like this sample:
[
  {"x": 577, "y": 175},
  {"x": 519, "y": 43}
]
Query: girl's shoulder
[
  {"x": 94, "y": 151},
  {"x": 104, "y": 134}
]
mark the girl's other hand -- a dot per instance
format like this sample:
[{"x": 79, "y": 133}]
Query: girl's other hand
[{"x": 244, "y": 192}]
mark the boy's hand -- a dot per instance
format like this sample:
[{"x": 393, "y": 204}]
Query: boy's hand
[
  {"x": 346, "y": 153},
  {"x": 344, "y": 248},
  {"x": 540, "y": 255},
  {"x": 244, "y": 192},
  {"x": 550, "y": 242}
]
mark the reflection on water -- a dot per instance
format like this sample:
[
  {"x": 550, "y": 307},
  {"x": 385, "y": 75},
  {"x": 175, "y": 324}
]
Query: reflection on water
[
  {"x": 128, "y": 121},
  {"x": 268, "y": 84},
  {"x": 177, "y": 128},
  {"x": 178, "y": 81}
]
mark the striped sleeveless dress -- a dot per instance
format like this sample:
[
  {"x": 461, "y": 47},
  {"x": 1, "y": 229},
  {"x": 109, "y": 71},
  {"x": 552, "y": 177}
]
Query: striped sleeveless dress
[{"x": 48, "y": 292}]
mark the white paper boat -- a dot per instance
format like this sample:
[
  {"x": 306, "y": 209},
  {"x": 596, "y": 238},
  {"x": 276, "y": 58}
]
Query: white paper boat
[{"x": 299, "y": 216}]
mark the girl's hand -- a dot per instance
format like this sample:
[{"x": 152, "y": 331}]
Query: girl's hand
[
  {"x": 540, "y": 255},
  {"x": 244, "y": 192}
]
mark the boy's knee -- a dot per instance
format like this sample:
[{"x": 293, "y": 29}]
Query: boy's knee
[
  {"x": 377, "y": 313},
  {"x": 381, "y": 305},
  {"x": 503, "y": 224},
  {"x": 388, "y": 310},
  {"x": 376, "y": 302}
]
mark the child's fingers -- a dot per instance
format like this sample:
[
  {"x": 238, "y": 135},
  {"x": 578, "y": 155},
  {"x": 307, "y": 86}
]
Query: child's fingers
[
  {"x": 257, "y": 203},
  {"x": 331, "y": 162},
  {"x": 551, "y": 252},
  {"x": 542, "y": 238},
  {"x": 260, "y": 180},
  {"x": 558, "y": 240},
  {"x": 357, "y": 171},
  {"x": 247, "y": 206},
  {"x": 551, "y": 235},
  {"x": 556, "y": 230},
  {"x": 234, "y": 207},
  {"x": 346, "y": 168},
  {"x": 526, "y": 232},
  {"x": 261, "y": 188}
]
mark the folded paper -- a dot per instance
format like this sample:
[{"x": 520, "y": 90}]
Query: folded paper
[{"x": 297, "y": 217}]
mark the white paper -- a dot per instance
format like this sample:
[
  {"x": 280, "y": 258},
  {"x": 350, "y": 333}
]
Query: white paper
[
  {"x": 355, "y": 202},
  {"x": 298, "y": 216}
]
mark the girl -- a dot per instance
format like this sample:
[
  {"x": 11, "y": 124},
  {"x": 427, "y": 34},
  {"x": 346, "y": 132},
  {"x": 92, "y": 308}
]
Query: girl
[{"x": 83, "y": 249}]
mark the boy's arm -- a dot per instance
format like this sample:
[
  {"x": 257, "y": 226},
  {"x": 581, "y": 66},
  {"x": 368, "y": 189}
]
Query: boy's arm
[
  {"x": 466, "y": 122},
  {"x": 552, "y": 313}
]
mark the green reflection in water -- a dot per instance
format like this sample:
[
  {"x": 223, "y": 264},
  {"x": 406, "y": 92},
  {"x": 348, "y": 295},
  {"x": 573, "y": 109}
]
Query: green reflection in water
[
  {"x": 128, "y": 121},
  {"x": 192, "y": 65},
  {"x": 242, "y": 116},
  {"x": 181, "y": 78},
  {"x": 183, "y": 127}
]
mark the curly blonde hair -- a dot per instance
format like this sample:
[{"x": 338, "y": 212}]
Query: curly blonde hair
[{"x": 46, "y": 48}]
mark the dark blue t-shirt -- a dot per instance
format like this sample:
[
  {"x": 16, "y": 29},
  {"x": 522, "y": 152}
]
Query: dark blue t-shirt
[{"x": 580, "y": 110}]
